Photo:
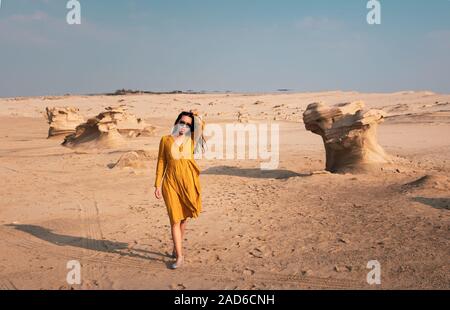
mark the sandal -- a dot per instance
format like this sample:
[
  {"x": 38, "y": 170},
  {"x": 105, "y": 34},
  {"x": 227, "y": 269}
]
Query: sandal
[{"x": 179, "y": 263}]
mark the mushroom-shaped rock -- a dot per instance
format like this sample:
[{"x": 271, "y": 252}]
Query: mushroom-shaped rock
[
  {"x": 62, "y": 120},
  {"x": 349, "y": 134}
]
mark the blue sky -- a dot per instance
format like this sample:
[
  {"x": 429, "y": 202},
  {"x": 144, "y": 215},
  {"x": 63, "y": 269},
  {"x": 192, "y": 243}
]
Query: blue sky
[{"x": 237, "y": 45}]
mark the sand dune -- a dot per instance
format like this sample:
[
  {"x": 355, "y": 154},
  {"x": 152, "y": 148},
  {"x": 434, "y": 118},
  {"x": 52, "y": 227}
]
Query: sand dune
[
  {"x": 139, "y": 159},
  {"x": 291, "y": 228},
  {"x": 429, "y": 183}
]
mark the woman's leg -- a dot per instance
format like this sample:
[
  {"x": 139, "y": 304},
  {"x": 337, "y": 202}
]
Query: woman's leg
[
  {"x": 177, "y": 239},
  {"x": 183, "y": 225},
  {"x": 183, "y": 228}
]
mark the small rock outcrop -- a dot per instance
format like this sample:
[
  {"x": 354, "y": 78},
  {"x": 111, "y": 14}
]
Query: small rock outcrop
[
  {"x": 62, "y": 120},
  {"x": 127, "y": 123},
  {"x": 97, "y": 133},
  {"x": 243, "y": 116}
]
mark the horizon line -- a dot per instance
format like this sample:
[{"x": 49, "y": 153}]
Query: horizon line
[{"x": 130, "y": 92}]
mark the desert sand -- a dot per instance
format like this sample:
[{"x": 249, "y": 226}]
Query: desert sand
[{"x": 297, "y": 227}]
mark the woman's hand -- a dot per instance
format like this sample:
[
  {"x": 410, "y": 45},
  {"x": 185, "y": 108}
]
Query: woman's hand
[{"x": 158, "y": 193}]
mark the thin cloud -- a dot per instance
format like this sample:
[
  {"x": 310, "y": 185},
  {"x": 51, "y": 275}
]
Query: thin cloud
[
  {"x": 318, "y": 23},
  {"x": 40, "y": 29},
  {"x": 26, "y": 18}
]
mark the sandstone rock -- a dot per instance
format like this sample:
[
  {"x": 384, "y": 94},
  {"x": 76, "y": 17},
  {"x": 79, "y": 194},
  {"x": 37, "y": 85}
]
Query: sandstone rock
[
  {"x": 95, "y": 133},
  {"x": 62, "y": 120},
  {"x": 243, "y": 116},
  {"x": 349, "y": 134},
  {"x": 107, "y": 130},
  {"x": 126, "y": 123}
]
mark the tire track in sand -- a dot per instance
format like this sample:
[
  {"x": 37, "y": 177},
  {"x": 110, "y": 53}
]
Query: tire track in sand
[{"x": 7, "y": 285}]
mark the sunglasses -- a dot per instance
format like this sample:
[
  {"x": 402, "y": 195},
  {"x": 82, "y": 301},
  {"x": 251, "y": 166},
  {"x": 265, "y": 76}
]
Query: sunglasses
[{"x": 183, "y": 123}]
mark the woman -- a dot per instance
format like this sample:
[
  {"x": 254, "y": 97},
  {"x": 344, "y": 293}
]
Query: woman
[{"x": 177, "y": 178}]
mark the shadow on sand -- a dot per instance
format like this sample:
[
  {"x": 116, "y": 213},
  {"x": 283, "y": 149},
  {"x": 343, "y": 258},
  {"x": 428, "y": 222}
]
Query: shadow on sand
[
  {"x": 437, "y": 203},
  {"x": 106, "y": 246},
  {"x": 254, "y": 173}
]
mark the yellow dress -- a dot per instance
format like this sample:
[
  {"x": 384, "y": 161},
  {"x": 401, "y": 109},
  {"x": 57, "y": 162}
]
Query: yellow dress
[{"x": 178, "y": 175}]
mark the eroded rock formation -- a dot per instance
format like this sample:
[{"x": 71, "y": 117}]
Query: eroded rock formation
[
  {"x": 127, "y": 123},
  {"x": 349, "y": 134},
  {"x": 107, "y": 130},
  {"x": 62, "y": 120},
  {"x": 95, "y": 133},
  {"x": 243, "y": 116}
]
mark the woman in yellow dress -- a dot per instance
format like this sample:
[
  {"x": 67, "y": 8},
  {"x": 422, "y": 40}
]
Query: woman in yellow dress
[{"x": 177, "y": 178}]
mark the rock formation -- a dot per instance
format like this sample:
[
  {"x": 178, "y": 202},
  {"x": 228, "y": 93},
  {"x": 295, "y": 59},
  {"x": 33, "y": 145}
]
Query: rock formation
[
  {"x": 62, "y": 120},
  {"x": 349, "y": 134},
  {"x": 243, "y": 116},
  {"x": 95, "y": 133},
  {"x": 128, "y": 124},
  {"x": 107, "y": 130}
]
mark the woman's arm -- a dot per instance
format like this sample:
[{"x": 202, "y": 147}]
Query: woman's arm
[{"x": 161, "y": 164}]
